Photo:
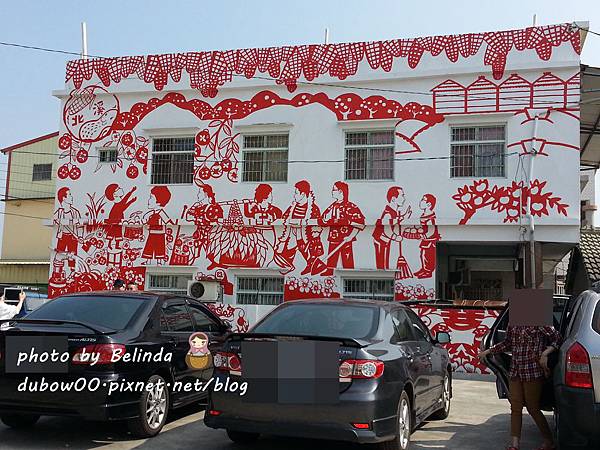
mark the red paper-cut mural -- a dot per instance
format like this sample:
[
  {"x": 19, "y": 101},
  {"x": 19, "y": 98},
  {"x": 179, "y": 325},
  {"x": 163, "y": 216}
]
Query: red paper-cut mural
[
  {"x": 344, "y": 220},
  {"x": 211, "y": 69},
  {"x": 297, "y": 288},
  {"x": 510, "y": 200},
  {"x": 156, "y": 219}
]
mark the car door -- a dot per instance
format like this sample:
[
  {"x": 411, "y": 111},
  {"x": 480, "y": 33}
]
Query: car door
[
  {"x": 215, "y": 330},
  {"x": 424, "y": 355},
  {"x": 179, "y": 328},
  {"x": 416, "y": 366}
]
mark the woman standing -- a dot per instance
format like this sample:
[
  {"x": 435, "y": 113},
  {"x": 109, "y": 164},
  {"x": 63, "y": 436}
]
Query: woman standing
[{"x": 530, "y": 346}]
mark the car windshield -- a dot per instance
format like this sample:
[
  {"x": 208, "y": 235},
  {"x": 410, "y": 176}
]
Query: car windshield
[
  {"x": 111, "y": 312},
  {"x": 343, "y": 321}
]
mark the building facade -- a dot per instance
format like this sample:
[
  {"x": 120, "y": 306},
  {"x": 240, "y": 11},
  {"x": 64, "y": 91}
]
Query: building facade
[
  {"x": 28, "y": 204},
  {"x": 394, "y": 170}
]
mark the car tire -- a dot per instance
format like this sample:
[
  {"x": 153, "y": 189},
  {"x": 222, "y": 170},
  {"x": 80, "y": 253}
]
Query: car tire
[
  {"x": 153, "y": 409},
  {"x": 444, "y": 411},
  {"x": 242, "y": 437},
  {"x": 20, "y": 421},
  {"x": 405, "y": 426}
]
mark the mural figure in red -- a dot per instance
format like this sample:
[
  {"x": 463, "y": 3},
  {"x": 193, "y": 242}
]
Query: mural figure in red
[
  {"x": 388, "y": 229},
  {"x": 429, "y": 237},
  {"x": 297, "y": 234},
  {"x": 262, "y": 209},
  {"x": 156, "y": 219},
  {"x": 204, "y": 213},
  {"x": 345, "y": 220},
  {"x": 114, "y": 223},
  {"x": 69, "y": 231}
]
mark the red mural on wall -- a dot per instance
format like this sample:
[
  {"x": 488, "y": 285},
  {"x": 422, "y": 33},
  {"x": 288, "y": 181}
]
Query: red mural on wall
[
  {"x": 298, "y": 288},
  {"x": 467, "y": 327},
  {"x": 511, "y": 200},
  {"x": 210, "y": 69},
  {"x": 515, "y": 94}
]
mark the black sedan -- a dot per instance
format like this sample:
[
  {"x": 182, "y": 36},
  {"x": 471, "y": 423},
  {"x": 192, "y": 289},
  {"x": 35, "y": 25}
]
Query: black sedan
[
  {"x": 125, "y": 359},
  {"x": 390, "y": 375}
]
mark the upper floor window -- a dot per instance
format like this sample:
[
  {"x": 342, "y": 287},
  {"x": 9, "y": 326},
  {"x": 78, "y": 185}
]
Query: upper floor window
[
  {"x": 41, "y": 172},
  {"x": 108, "y": 155},
  {"x": 369, "y": 155},
  {"x": 366, "y": 288},
  {"x": 172, "y": 160},
  {"x": 478, "y": 151},
  {"x": 260, "y": 290},
  {"x": 265, "y": 157}
]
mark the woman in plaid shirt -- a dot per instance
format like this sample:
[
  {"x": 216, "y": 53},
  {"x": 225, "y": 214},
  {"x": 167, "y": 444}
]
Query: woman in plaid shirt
[{"x": 530, "y": 347}]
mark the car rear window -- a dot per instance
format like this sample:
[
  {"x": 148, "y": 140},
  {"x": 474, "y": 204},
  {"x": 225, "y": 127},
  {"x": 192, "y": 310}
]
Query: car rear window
[
  {"x": 596, "y": 320},
  {"x": 110, "y": 312},
  {"x": 343, "y": 321}
]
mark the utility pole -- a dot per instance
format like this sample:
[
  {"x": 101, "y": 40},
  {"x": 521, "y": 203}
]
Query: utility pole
[{"x": 326, "y": 36}]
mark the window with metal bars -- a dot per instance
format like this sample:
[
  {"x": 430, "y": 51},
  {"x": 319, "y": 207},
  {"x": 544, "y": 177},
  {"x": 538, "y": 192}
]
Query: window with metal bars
[
  {"x": 376, "y": 289},
  {"x": 172, "y": 283},
  {"x": 172, "y": 160},
  {"x": 41, "y": 172},
  {"x": 108, "y": 155},
  {"x": 259, "y": 290},
  {"x": 265, "y": 157},
  {"x": 478, "y": 151},
  {"x": 369, "y": 155}
]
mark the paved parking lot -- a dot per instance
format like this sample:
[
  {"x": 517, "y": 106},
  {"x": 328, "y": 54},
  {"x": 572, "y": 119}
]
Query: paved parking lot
[{"x": 478, "y": 421}]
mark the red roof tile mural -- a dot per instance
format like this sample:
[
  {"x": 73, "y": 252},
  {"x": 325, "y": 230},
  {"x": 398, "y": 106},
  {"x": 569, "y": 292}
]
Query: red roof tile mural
[{"x": 287, "y": 65}]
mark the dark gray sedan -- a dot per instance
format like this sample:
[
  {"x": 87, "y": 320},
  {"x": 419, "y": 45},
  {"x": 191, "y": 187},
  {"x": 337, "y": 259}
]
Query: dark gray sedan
[{"x": 390, "y": 375}]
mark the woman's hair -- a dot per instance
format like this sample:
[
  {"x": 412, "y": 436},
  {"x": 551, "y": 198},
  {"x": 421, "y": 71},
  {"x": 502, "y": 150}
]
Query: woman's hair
[
  {"x": 110, "y": 190},
  {"x": 303, "y": 186},
  {"x": 62, "y": 193},
  {"x": 262, "y": 192},
  {"x": 161, "y": 194},
  {"x": 208, "y": 190},
  {"x": 343, "y": 187},
  {"x": 430, "y": 198},
  {"x": 393, "y": 192}
]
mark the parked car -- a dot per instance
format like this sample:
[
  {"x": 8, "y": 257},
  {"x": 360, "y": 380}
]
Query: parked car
[
  {"x": 140, "y": 323},
  {"x": 573, "y": 392},
  {"x": 392, "y": 375}
]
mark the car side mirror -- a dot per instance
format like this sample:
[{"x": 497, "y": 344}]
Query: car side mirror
[{"x": 442, "y": 337}]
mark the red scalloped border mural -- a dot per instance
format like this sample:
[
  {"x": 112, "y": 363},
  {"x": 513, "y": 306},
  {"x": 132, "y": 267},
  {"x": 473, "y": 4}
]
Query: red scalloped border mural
[{"x": 211, "y": 69}]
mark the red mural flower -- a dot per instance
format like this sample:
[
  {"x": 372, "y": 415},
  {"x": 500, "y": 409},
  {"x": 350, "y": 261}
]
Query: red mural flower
[{"x": 511, "y": 200}]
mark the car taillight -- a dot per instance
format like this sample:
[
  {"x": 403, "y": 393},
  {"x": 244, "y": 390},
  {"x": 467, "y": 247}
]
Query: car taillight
[
  {"x": 99, "y": 354},
  {"x": 227, "y": 362},
  {"x": 361, "y": 368},
  {"x": 578, "y": 371}
]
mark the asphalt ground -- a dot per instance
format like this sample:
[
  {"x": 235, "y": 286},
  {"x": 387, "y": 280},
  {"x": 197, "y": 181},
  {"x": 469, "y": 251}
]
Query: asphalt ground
[{"x": 478, "y": 421}]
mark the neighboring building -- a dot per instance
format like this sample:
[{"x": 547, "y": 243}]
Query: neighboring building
[
  {"x": 28, "y": 200},
  {"x": 394, "y": 170}
]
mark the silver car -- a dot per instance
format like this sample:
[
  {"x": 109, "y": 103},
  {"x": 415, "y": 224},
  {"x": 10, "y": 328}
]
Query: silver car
[{"x": 573, "y": 393}]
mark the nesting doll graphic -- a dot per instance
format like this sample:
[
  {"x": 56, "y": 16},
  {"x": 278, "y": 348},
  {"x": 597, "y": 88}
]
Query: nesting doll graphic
[{"x": 199, "y": 356}]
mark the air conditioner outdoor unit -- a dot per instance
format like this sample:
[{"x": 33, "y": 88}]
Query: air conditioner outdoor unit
[{"x": 206, "y": 291}]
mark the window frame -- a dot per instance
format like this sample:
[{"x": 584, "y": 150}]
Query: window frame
[
  {"x": 259, "y": 293},
  {"x": 395, "y": 337},
  {"x": 196, "y": 306},
  {"x": 177, "y": 302},
  {"x": 48, "y": 172},
  {"x": 171, "y": 291},
  {"x": 476, "y": 142},
  {"x": 264, "y": 150},
  {"x": 369, "y": 148},
  {"x": 416, "y": 321},
  {"x": 107, "y": 149},
  {"x": 152, "y": 154},
  {"x": 370, "y": 280}
]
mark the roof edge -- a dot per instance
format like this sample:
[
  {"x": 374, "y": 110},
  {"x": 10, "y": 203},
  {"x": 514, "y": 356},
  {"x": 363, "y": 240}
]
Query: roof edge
[{"x": 29, "y": 142}]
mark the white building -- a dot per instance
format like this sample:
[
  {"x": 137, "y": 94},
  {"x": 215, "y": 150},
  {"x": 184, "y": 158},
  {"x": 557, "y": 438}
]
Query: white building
[{"x": 401, "y": 169}]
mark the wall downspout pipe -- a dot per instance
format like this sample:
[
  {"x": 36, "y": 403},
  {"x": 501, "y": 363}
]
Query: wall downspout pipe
[{"x": 529, "y": 211}]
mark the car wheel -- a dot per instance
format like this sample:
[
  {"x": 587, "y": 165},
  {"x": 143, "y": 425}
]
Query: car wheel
[
  {"x": 154, "y": 406},
  {"x": 242, "y": 437},
  {"x": 405, "y": 414},
  {"x": 444, "y": 411},
  {"x": 19, "y": 420}
]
